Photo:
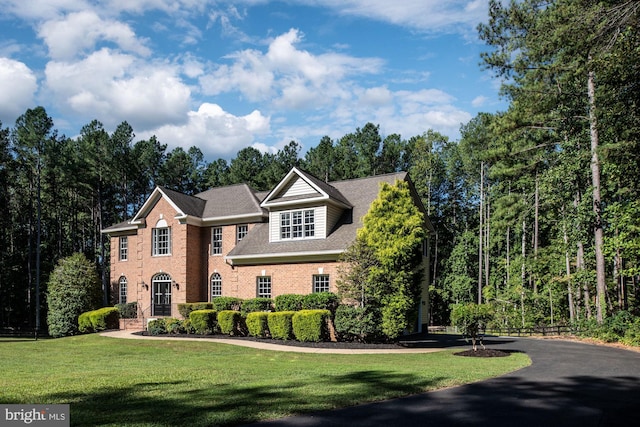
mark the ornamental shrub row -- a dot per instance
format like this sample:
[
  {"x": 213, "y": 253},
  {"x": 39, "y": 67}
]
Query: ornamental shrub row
[
  {"x": 303, "y": 325},
  {"x": 315, "y": 301},
  {"x": 98, "y": 320}
]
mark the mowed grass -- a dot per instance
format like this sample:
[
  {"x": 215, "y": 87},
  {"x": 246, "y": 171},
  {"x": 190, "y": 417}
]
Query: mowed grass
[{"x": 120, "y": 382}]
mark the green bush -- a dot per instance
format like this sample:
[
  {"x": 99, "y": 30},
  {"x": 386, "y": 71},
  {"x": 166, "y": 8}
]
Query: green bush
[
  {"x": 98, "y": 320},
  {"x": 257, "y": 324},
  {"x": 280, "y": 324},
  {"x": 632, "y": 335},
  {"x": 356, "y": 324},
  {"x": 226, "y": 303},
  {"x": 288, "y": 302},
  {"x": 186, "y": 308},
  {"x": 105, "y": 318},
  {"x": 188, "y": 328},
  {"x": 321, "y": 301},
  {"x": 157, "y": 327},
  {"x": 204, "y": 321},
  {"x": 229, "y": 322},
  {"x": 73, "y": 288},
  {"x": 310, "y": 325},
  {"x": 84, "y": 323},
  {"x": 470, "y": 319},
  {"x": 128, "y": 310},
  {"x": 256, "y": 304},
  {"x": 174, "y": 326}
]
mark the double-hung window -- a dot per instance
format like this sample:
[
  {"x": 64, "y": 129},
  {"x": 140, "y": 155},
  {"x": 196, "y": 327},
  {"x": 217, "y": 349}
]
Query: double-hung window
[
  {"x": 263, "y": 284},
  {"x": 161, "y": 241},
  {"x": 320, "y": 283},
  {"x": 297, "y": 224},
  {"x": 124, "y": 248},
  {"x": 216, "y": 241},
  {"x": 241, "y": 231}
]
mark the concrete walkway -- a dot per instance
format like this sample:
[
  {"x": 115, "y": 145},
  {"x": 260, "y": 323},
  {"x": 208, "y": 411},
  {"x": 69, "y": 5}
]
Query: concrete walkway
[{"x": 129, "y": 334}]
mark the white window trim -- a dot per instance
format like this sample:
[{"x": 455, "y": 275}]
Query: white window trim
[
  {"x": 123, "y": 248},
  {"x": 262, "y": 280},
  {"x": 213, "y": 229},
  {"x": 154, "y": 242},
  {"x": 295, "y": 225},
  {"x": 316, "y": 282},
  {"x": 245, "y": 228},
  {"x": 218, "y": 279}
]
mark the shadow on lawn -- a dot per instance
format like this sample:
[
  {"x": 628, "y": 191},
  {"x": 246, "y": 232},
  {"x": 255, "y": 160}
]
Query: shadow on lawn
[{"x": 159, "y": 404}]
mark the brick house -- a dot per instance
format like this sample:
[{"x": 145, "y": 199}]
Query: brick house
[{"x": 234, "y": 241}]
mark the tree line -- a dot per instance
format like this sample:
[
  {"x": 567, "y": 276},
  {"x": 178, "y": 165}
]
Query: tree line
[{"x": 535, "y": 208}]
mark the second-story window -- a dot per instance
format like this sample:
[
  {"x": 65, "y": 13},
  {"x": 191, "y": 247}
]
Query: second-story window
[
  {"x": 124, "y": 248},
  {"x": 216, "y": 240},
  {"x": 161, "y": 241},
  {"x": 241, "y": 231},
  {"x": 297, "y": 224}
]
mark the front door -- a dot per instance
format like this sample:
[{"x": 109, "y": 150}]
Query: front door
[{"x": 162, "y": 295}]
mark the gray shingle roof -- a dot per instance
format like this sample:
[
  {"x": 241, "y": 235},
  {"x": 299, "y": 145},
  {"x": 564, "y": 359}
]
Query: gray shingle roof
[
  {"x": 232, "y": 200},
  {"x": 189, "y": 205},
  {"x": 359, "y": 193}
]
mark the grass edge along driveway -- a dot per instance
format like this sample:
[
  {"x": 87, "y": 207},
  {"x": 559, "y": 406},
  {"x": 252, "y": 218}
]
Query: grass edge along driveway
[{"x": 174, "y": 383}]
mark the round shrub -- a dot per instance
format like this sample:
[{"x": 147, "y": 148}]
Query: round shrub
[
  {"x": 257, "y": 324},
  {"x": 321, "y": 301},
  {"x": 356, "y": 324},
  {"x": 280, "y": 324},
  {"x": 289, "y": 302},
  {"x": 156, "y": 327},
  {"x": 73, "y": 288},
  {"x": 204, "y": 321},
  {"x": 174, "y": 326},
  {"x": 310, "y": 325}
]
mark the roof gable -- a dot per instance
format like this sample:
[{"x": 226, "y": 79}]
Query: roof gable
[
  {"x": 183, "y": 204},
  {"x": 299, "y": 186}
]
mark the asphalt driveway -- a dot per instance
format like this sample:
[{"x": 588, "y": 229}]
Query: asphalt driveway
[{"x": 568, "y": 384}]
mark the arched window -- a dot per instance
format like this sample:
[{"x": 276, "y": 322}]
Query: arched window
[
  {"x": 216, "y": 285},
  {"x": 161, "y": 239},
  {"x": 122, "y": 290}
]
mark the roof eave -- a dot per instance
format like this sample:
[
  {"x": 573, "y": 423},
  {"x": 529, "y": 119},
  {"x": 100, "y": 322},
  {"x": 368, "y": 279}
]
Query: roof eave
[{"x": 284, "y": 257}]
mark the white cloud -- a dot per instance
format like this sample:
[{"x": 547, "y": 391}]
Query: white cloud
[
  {"x": 19, "y": 85},
  {"x": 79, "y": 32},
  {"x": 114, "y": 87},
  {"x": 216, "y": 132},
  {"x": 479, "y": 101},
  {"x": 421, "y": 15}
]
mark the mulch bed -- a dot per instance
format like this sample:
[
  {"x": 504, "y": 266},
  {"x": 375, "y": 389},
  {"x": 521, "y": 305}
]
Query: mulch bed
[{"x": 487, "y": 352}]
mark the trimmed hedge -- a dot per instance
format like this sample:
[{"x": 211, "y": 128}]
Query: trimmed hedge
[
  {"x": 280, "y": 324},
  {"x": 226, "y": 303},
  {"x": 310, "y": 325},
  {"x": 204, "y": 321},
  {"x": 356, "y": 324},
  {"x": 288, "y": 302},
  {"x": 186, "y": 308},
  {"x": 257, "y": 324},
  {"x": 256, "y": 304},
  {"x": 321, "y": 301},
  {"x": 99, "y": 320},
  {"x": 230, "y": 322}
]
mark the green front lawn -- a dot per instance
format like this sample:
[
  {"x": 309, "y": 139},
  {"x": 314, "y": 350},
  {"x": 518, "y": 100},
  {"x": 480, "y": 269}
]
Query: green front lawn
[{"x": 121, "y": 382}]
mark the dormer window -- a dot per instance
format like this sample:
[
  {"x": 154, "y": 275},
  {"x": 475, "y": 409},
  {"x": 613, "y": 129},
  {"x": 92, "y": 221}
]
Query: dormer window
[{"x": 297, "y": 224}]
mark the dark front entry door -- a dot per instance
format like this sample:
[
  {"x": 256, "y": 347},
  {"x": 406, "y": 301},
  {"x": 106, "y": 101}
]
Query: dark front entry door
[{"x": 161, "y": 298}]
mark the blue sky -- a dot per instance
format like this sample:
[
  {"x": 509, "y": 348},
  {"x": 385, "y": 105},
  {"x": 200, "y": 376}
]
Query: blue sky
[{"x": 225, "y": 75}]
